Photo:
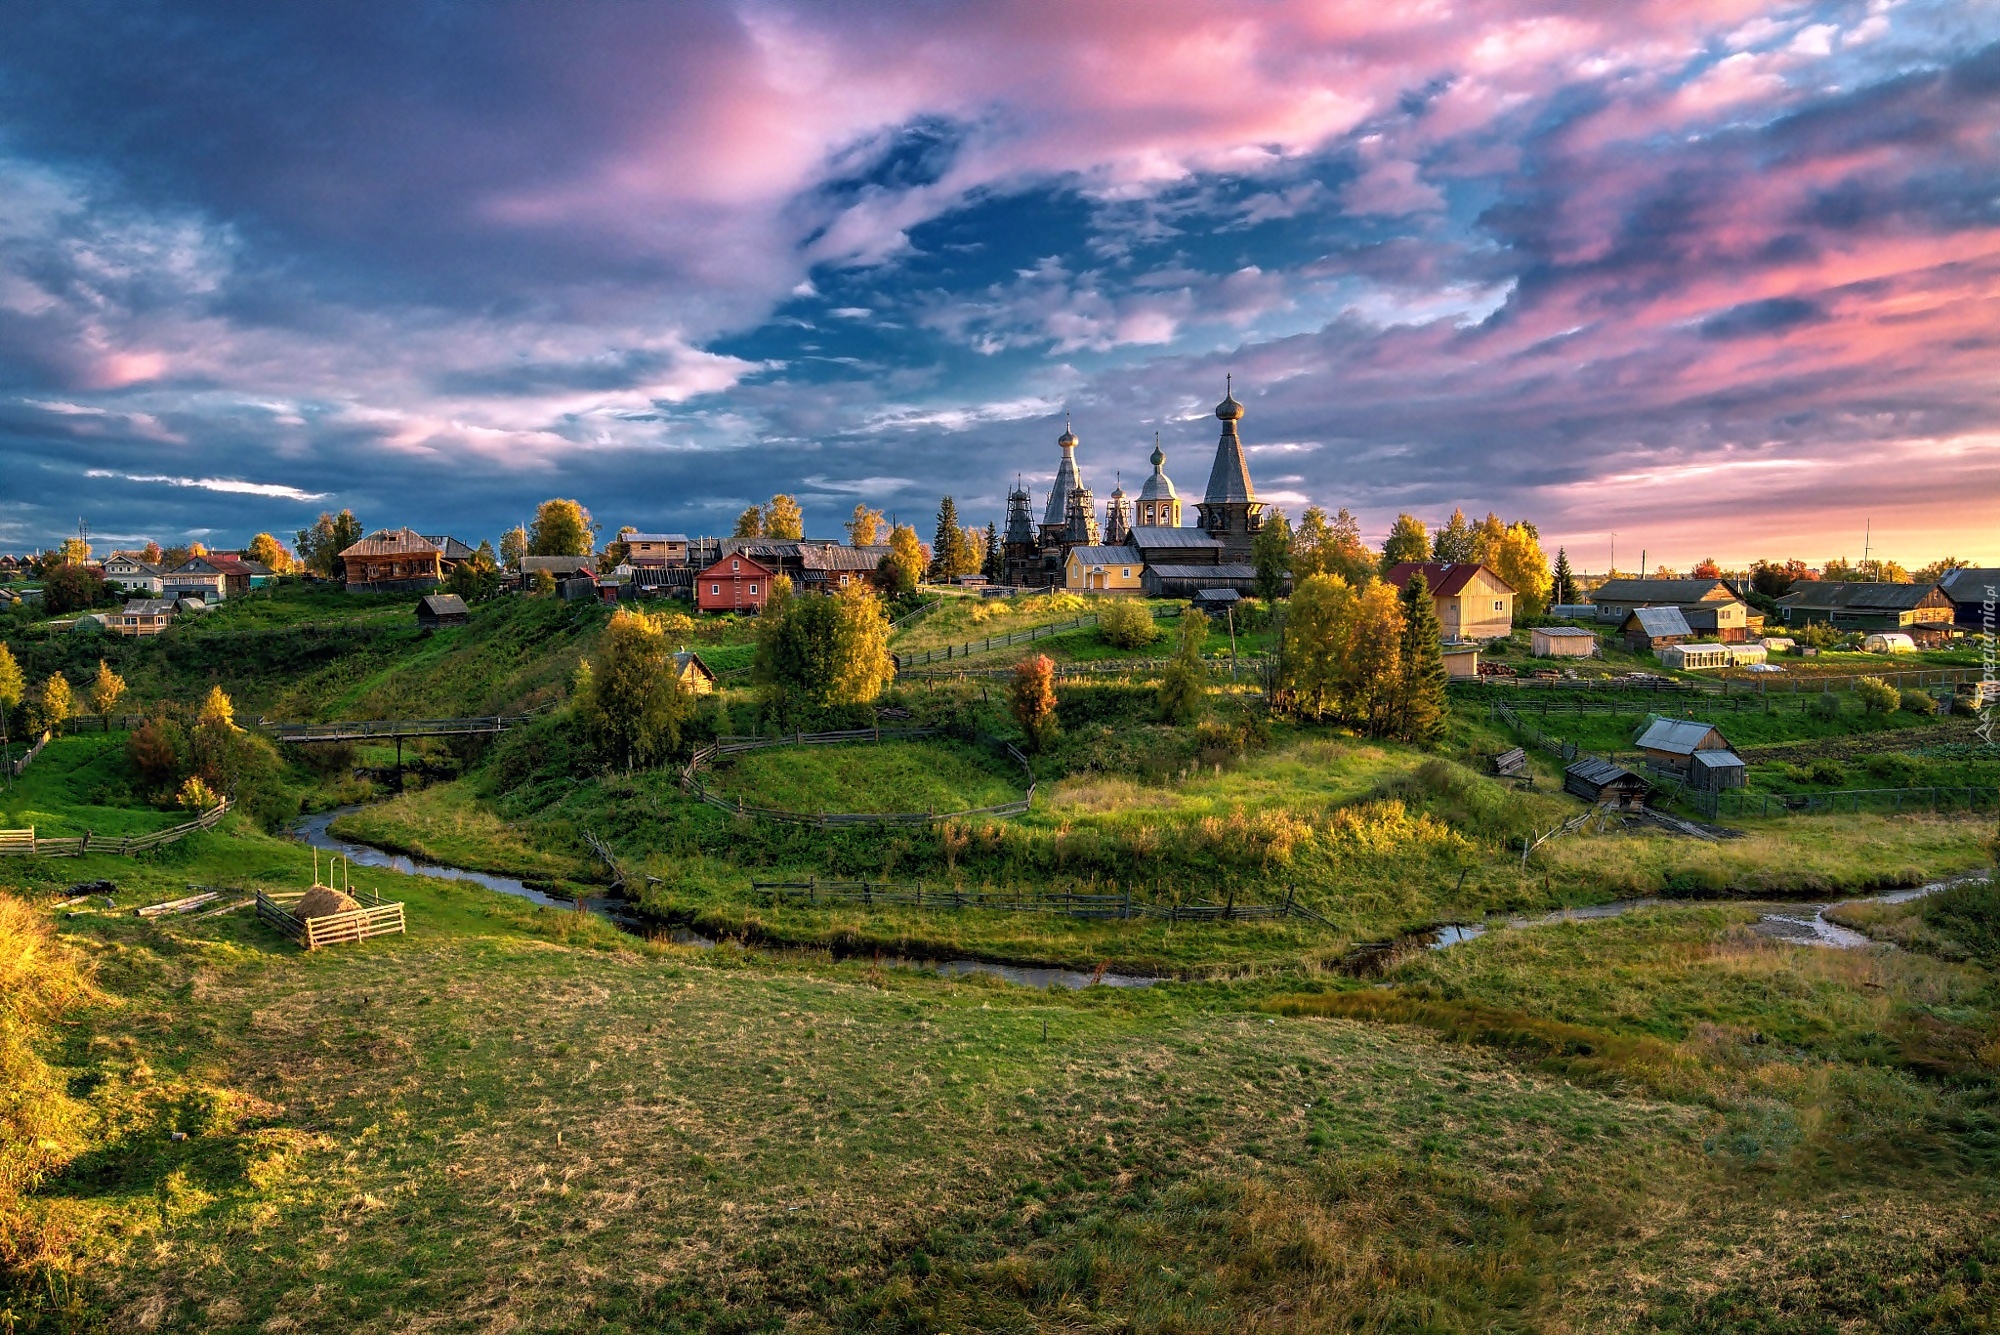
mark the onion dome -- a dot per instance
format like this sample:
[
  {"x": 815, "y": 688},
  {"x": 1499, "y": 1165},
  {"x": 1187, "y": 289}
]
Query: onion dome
[
  {"x": 1229, "y": 410},
  {"x": 1158, "y": 487}
]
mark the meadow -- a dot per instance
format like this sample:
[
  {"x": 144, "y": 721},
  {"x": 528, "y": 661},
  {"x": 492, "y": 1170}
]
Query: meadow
[{"x": 523, "y": 1118}]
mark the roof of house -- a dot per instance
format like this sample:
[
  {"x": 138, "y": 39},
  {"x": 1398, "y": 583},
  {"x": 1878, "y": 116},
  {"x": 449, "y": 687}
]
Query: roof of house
[
  {"x": 1720, "y": 760},
  {"x": 1446, "y": 579},
  {"x": 832, "y": 556},
  {"x": 687, "y": 656},
  {"x": 1969, "y": 585},
  {"x": 1244, "y": 571},
  {"x": 149, "y": 607},
  {"x": 453, "y": 549},
  {"x": 196, "y": 565},
  {"x": 1105, "y": 556},
  {"x": 233, "y": 565},
  {"x": 1659, "y": 591},
  {"x": 1846, "y": 595},
  {"x": 443, "y": 604},
  {"x": 1216, "y": 596},
  {"x": 555, "y": 565},
  {"x": 1163, "y": 535},
  {"x": 392, "y": 542},
  {"x": 654, "y": 537},
  {"x": 1566, "y": 632},
  {"x": 1676, "y": 736},
  {"x": 1656, "y": 622},
  {"x": 1600, "y": 771},
  {"x": 737, "y": 556}
]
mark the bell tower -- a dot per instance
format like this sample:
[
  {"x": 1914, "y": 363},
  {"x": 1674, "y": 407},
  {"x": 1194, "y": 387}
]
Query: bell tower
[{"x": 1229, "y": 510}]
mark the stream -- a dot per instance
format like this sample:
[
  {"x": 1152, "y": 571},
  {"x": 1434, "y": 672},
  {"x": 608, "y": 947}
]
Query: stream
[{"x": 313, "y": 830}]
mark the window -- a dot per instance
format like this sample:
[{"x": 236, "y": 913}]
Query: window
[
  {"x": 843, "y": 581},
  {"x": 735, "y": 565},
  {"x": 715, "y": 589},
  {"x": 753, "y": 590},
  {"x": 1128, "y": 572},
  {"x": 1498, "y": 605}
]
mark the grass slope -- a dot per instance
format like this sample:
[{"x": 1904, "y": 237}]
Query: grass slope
[{"x": 926, "y": 774}]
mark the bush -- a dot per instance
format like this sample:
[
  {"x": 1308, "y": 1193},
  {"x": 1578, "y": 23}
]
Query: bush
[
  {"x": 1823, "y": 707},
  {"x": 1917, "y": 702},
  {"x": 1877, "y": 696},
  {"x": 1127, "y": 624},
  {"x": 1816, "y": 635},
  {"x": 1826, "y": 770}
]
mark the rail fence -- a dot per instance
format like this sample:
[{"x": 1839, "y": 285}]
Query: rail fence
[
  {"x": 692, "y": 784},
  {"x": 1547, "y": 741},
  {"x": 1122, "y": 907},
  {"x": 25, "y": 843},
  {"x": 384, "y": 729},
  {"x": 20, "y": 766},
  {"x": 988, "y": 643},
  {"x": 1936, "y": 798}
]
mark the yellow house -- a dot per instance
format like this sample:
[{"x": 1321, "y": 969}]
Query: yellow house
[
  {"x": 1473, "y": 604},
  {"x": 694, "y": 674},
  {"x": 1103, "y": 570}
]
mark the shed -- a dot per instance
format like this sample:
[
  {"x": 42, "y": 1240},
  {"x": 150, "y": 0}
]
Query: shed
[
  {"x": 1461, "y": 660},
  {"x": 1654, "y": 628},
  {"x": 1599, "y": 780},
  {"x": 694, "y": 674},
  {"x": 1563, "y": 642},
  {"x": 1216, "y": 600},
  {"x": 442, "y": 609},
  {"x": 1692, "y": 657},
  {"x": 1712, "y": 771},
  {"x": 1889, "y": 642},
  {"x": 1671, "y": 745}
]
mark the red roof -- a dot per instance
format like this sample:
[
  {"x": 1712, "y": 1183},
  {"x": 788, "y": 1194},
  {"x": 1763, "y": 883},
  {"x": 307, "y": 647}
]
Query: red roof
[{"x": 1446, "y": 578}]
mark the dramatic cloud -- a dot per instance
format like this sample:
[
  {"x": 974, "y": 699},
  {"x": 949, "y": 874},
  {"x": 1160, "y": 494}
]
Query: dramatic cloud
[{"x": 1718, "y": 271}]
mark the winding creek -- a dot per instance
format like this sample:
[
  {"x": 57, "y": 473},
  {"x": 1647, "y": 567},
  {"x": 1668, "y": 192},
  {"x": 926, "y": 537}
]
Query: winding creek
[{"x": 1799, "y": 924}]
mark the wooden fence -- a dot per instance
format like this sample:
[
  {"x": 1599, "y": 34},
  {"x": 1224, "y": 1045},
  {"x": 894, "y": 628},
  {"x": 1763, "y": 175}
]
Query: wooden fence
[
  {"x": 375, "y": 917},
  {"x": 25, "y": 843},
  {"x": 79, "y": 723},
  {"x": 1121, "y": 907},
  {"x": 691, "y": 781},
  {"x": 21, "y": 765},
  {"x": 1547, "y": 741},
  {"x": 988, "y": 643},
  {"x": 387, "y": 729},
  {"x": 1737, "y": 802}
]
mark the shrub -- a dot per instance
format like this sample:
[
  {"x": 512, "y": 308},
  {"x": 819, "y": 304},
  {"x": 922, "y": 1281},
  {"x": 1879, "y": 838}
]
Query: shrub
[
  {"x": 1816, "y": 635},
  {"x": 195, "y": 795},
  {"x": 1826, "y": 770},
  {"x": 1823, "y": 707},
  {"x": 1127, "y": 624},
  {"x": 1892, "y": 768},
  {"x": 1033, "y": 700},
  {"x": 1877, "y": 696},
  {"x": 1917, "y": 702}
]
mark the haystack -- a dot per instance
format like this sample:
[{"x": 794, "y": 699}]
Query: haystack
[{"x": 322, "y": 900}]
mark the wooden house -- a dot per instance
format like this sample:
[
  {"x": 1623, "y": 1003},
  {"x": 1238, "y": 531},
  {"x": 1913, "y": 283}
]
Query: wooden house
[
  {"x": 735, "y": 583},
  {"x": 695, "y": 676},
  {"x": 391, "y": 560},
  {"x": 1185, "y": 581},
  {"x": 196, "y": 577},
  {"x": 828, "y": 567},
  {"x": 559, "y": 568},
  {"x": 1654, "y": 628},
  {"x": 143, "y": 616},
  {"x": 1599, "y": 781},
  {"x": 1974, "y": 595},
  {"x": 1693, "y": 751},
  {"x": 1563, "y": 642},
  {"x": 1104, "y": 570},
  {"x": 655, "y": 551},
  {"x": 1473, "y": 604},
  {"x": 1922, "y": 611},
  {"x": 1615, "y": 598},
  {"x": 131, "y": 574},
  {"x": 442, "y": 609}
]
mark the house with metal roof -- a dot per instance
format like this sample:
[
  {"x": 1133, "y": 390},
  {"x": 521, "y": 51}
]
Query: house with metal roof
[
  {"x": 1693, "y": 751},
  {"x": 654, "y": 551},
  {"x": 1975, "y": 597},
  {"x": 1654, "y": 628},
  {"x": 1104, "y": 570},
  {"x": 1473, "y": 603},
  {"x": 1710, "y": 605},
  {"x": 131, "y": 574},
  {"x": 1184, "y": 581},
  {"x": 142, "y": 616},
  {"x": 1920, "y": 610}
]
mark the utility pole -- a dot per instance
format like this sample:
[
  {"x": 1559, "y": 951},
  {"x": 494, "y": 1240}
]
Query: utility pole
[{"x": 1867, "y": 539}]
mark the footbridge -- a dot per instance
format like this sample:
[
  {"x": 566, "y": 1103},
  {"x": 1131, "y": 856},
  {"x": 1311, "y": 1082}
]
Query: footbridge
[{"x": 385, "y": 730}]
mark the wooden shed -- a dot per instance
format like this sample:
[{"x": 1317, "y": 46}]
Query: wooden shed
[
  {"x": 1600, "y": 781},
  {"x": 694, "y": 674},
  {"x": 1563, "y": 642},
  {"x": 1653, "y": 628},
  {"x": 1693, "y": 751},
  {"x": 1461, "y": 660},
  {"x": 442, "y": 609}
]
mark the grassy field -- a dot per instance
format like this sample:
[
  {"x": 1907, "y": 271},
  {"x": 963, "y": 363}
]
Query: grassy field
[{"x": 521, "y": 1118}]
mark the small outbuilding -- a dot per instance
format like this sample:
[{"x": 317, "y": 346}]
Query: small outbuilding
[
  {"x": 1461, "y": 660},
  {"x": 1693, "y": 657},
  {"x": 1216, "y": 602},
  {"x": 1654, "y": 628},
  {"x": 1563, "y": 642},
  {"x": 1889, "y": 642},
  {"x": 1600, "y": 781},
  {"x": 694, "y": 674},
  {"x": 1693, "y": 751},
  {"x": 442, "y": 609}
]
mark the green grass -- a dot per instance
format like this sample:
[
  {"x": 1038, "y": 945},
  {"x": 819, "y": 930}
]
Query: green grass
[
  {"x": 925, "y": 774},
  {"x": 78, "y": 784}
]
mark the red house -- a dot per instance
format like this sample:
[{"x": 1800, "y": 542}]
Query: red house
[{"x": 736, "y": 583}]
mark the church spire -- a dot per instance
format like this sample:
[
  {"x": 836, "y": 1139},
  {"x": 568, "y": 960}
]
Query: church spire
[{"x": 1229, "y": 507}]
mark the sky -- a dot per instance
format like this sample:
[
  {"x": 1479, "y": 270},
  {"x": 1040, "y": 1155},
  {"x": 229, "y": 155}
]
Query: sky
[{"x": 1691, "y": 277}]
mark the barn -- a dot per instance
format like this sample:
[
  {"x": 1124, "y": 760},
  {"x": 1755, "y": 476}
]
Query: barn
[
  {"x": 1654, "y": 628},
  {"x": 1693, "y": 751},
  {"x": 441, "y": 609},
  {"x": 1600, "y": 781},
  {"x": 1563, "y": 642}
]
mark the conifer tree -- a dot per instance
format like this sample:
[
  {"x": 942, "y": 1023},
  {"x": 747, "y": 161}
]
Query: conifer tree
[
  {"x": 1564, "y": 579},
  {"x": 1421, "y": 702},
  {"x": 951, "y": 554},
  {"x": 996, "y": 560}
]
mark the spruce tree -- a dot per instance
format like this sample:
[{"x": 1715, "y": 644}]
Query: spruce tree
[
  {"x": 1422, "y": 705},
  {"x": 947, "y": 548},
  {"x": 1565, "y": 578},
  {"x": 996, "y": 560}
]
